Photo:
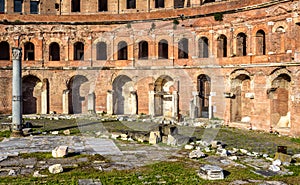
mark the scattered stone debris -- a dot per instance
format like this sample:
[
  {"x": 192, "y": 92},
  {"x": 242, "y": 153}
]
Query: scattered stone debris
[
  {"x": 67, "y": 132},
  {"x": 89, "y": 182},
  {"x": 56, "y": 168},
  {"x": 196, "y": 154},
  {"x": 210, "y": 172},
  {"x": 37, "y": 174},
  {"x": 60, "y": 151},
  {"x": 54, "y": 132}
]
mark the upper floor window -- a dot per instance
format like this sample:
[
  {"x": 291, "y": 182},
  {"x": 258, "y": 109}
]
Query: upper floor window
[
  {"x": 178, "y": 3},
  {"x": 222, "y": 46},
  {"x": 183, "y": 49},
  {"x": 75, "y": 7},
  {"x": 122, "y": 51},
  {"x": 2, "y": 6},
  {"x": 101, "y": 51},
  {"x": 78, "y": 51},
  {"x": 4, "y": 51},
  {"x": 260, "y": 42},
  {"x": 18, "y": 5},
  {"x": 143, "y": 50},
  {"x": 159, "y": 3},
  {"x": 241, "y": 45},
  {"x": 34, "y": 7},
  {"x": 131, "y": 4},
  {"x": 29, "y": 51},
  {"x": 54, "y": 52},
  {"x": 203, "y": 47},
  {"x": 102, "y": 5},
  {"x": 163, "y": 49}
]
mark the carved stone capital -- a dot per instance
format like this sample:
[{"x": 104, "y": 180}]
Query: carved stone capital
[{"x": 16, "y": 53}]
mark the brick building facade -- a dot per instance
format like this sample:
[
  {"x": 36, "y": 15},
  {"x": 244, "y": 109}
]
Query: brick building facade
[{"x": 234, "y": 60}]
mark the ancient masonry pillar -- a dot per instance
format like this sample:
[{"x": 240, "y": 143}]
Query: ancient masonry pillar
[
  {"x": 210, "y": 108},
  {"x": 109, "y": 102},
  {"x": 151, "y": 103},
  {"x": 91, "y": 103},
  {"x": 133, "y": 97},
  {"x": 175, "y": 104},
  {"x": 44, "y": 97},
  {"x": 194, "y": 109},
  {"x": 17, "y": 92},
  {"x": 65, "y": 101}
]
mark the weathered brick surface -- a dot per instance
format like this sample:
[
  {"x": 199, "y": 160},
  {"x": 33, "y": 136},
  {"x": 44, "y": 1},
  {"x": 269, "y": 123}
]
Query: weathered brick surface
[{"x": 251, "y": 78}]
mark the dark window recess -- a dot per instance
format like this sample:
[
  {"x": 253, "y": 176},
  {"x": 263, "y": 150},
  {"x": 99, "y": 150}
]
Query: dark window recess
[
  {"x": 159, "y": 3},
  {"x": 54, "y": 52},
  {"x": 131, "y": 4},
  {"x": 163, "y": 49},
  {"x": 18, "y": 5},
  {"x": 102, "y": 5},
  {"x": 101, "y": 51},
  {"x": 2, "y": 6},
  {"x": 122, "y": 51},
  {"x": 34, "y": 7},
  {"x": 143, "y": 50},
  {"x": 4, "y": 51},
  {"x": 75, "y": 6},
  {"x": 78, "y": 51},
  {"x": 29, "y": 51},
  {"x": 183, "y": 49}
]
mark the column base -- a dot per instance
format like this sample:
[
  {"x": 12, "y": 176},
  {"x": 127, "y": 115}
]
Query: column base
[{"x": 17, "y": 133}]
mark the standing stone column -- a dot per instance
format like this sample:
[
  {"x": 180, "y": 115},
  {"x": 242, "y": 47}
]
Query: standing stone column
[
  {"x": 91, "y": 103},
  {"x": 17, "y": 92},
  {"x": 151, "y": 103},
  {"x": 175, "y": 104},
  {"x": 210, "y": 107},
  {"x": 109, "y": 102},
  {"x": 65, "y": 101},
  {"x": 133, "y": 95}
]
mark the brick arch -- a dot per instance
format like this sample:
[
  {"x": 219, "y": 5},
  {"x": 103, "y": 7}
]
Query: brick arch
[
  {"x": 10, "y": 41},
  {"x": 278, "y": 24},
  {"x": 276, "y": 72},
  {"x": 50, "y": 40},
  {"x": 234, "y": 74}
]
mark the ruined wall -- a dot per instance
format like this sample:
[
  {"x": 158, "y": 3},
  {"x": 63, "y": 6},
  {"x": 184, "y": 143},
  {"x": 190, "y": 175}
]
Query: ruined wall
[{"x": 269, "y": 52}]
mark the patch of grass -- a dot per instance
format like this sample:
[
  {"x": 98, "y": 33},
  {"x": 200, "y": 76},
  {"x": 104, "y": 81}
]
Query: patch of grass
[
  {"x": 296, "y": 140},
  {"x": 5, "y": 133},
  {"x": 37, "y": 155}
]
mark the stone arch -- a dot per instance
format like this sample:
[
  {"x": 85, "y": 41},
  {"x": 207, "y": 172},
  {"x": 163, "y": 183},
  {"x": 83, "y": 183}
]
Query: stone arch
[
  {"x": 35, "y": 94},
  {"x": 164, "y": 99},
  {"x": 124, "y": 96},
  {"x": 260, "y": 42},
  {"x": 203, "y": 47},
  {"x": 240, "y": 103},
  {"x": 101, "y": 51},
  {"x": 78, "y": 51},
  {"x": 241, "y": 44},
  {"x": 276, "y": 72},
  {"x": 234, "y": 74},
  {"x": 29, "y": 51},
  {"x": 183, "y": 48},
  {"x": 143, "y": 50},
  {"x": 279, "y": 100},
  {"x": 163, "y": 49},
  {"x": 122, "y": 50},
  {"x": 54, "y": 51},
  {"x": 203, "y": 89},
  {"x": 77, "y": 93}
]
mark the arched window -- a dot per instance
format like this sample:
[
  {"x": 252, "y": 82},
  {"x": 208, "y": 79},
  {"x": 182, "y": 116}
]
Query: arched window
[
  {"x": 222, "y": 46},
  {"x": 4, "y": 51},
  {"x": 159, "y": 3},
  {"x": 28, "y": 51},
  {"x": 75, "y": 7},
  {"x": 101, "y": 51},
  {"x": 54, "y": 52},
  {"x": 102, "y": 5},
  {"x": 163, "y": 47},
  {"x": 203, "y": 47},
  {"x": 143, "y": 50},
  {"x": 2, "y": 6},
  {"x": 78, "y": 51},
  {"x": 241, "y": 45},
  {"x": 131, "y": 4},
  {"x": 260, "y": 42},
  {"x": 122, "y": 51},
  {"x": 183, "y": 48}
]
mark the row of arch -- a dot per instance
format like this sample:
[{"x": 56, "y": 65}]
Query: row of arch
[{"x": 143, "y": 48}]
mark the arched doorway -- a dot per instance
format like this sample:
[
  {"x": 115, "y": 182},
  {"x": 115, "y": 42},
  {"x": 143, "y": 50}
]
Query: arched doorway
[
  {"x": 204, "y": 88},
  {"x": 279, "y": 97},
  {"x": 77, "y": 95},
  {"x": 35, "y": 95},
  {"x": 164, "y": 100},
  {"x": 124, "y": 96},
  {"x": 240, "y": 105}
]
